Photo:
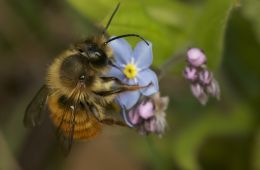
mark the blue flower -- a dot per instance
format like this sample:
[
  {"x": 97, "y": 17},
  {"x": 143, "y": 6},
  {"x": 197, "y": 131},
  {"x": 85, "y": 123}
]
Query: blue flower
[{"x": 132, "y": 68}]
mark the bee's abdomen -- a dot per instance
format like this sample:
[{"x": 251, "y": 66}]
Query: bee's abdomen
[{"x": 85, "y": 125}]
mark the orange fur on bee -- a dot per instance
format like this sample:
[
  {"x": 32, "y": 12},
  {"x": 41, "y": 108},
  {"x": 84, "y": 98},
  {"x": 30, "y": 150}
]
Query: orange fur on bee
[{"x": 86, "y": 126}]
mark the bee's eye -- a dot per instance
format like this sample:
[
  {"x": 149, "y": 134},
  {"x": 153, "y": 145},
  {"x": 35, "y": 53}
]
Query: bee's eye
[
  {"x": 82, "y": 77},
  {"x": 80, "y": 50},
  {"x": 97, "y": 54},
  {"x": 91, "y": 47}
]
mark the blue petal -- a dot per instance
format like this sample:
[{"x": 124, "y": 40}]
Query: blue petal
[
  {"x": 143, "y": 55},
  {"x": 115, "y": 72},
  {"x": 122, "y": 51},
  {"x": 144, "y": 78},
  {"x": 130, "y": 81},
  {"x": 128, "y": 99},
  {"x": 125, "y": 116}
]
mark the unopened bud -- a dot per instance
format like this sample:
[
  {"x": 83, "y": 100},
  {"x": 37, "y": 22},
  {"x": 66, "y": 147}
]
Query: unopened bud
[
  {"x": 190, "y": 73},
  {"x": 213, "y": 89},
  {"x": 198, "y": 91},
  {"x": 146, "y": 109},
  {"x": 205, "y": 77},
  {"x": 196, "y": 57},
  {"x": 134, "y": 116}
]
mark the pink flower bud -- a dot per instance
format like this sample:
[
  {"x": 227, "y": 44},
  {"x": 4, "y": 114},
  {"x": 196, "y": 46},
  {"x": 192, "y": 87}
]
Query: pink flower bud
[
  {"x": 134, "y": 116},
  {"x": 198, "y": 91},
  {"x": 205, "y": 77},
  {"x": 149, "y": 116},
  {"x": 213, "y": 89},
  {"x": 149, "y": 125},
  {"x": 196, "y": 57},
  {"x": 190, "y": 73},
  {"x": 146, "y": 110}
]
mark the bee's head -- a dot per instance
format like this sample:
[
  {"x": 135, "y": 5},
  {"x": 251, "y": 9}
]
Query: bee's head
[
  {"x": 75, "y": 72},
  {"x": 94, "y": 53}
]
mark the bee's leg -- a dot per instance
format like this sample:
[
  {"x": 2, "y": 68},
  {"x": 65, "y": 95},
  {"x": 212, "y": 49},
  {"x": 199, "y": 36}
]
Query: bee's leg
[
  {"x": 98, "y": 114},
  {"x": 117, "y": 90},
  {"x": 119, "y": 83},
  {"x": 110, "y": 121},
  {"x": 107, "y": 79},
  {"x": 121, "y": 88},
  {"x": 92, "y": 109}
]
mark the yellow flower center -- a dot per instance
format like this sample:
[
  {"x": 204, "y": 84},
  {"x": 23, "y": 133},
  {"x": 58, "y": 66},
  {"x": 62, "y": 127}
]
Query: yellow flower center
[{"x": 130, "y": 71}]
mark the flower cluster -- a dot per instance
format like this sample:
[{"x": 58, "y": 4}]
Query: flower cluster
[
  {"x": 149, "y": 114},
  {"x": 144, "y": 108},
  {"x": 203, "y": 83}
]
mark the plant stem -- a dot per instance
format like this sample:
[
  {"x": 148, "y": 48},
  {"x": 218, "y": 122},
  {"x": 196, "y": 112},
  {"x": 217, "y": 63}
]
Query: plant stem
[{"x": 171, "y": 62}]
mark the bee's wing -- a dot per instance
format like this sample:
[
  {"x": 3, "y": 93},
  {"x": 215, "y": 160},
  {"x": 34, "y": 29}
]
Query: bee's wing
[
  {"x": 66, "y": 138},
  {"x": 36, "y": 110}
]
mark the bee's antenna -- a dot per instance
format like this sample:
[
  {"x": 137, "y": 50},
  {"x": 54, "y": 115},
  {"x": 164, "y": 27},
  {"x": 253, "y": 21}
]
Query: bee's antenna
[
  {"x": 127, "y": 35},
  {"x": 112, "y": 16}
]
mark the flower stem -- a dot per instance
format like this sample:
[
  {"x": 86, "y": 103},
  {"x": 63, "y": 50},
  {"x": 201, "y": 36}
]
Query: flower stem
[
  {"x": 171, "y": 62},
  {"x": 155, "y": 155}
]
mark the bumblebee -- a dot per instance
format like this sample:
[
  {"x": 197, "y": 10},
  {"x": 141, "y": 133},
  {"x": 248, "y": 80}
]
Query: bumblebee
[{"x": 76, "y": 93}]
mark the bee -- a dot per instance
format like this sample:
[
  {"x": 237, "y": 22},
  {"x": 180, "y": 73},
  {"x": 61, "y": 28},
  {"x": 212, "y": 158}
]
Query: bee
[{"x": 76, "y": 94}]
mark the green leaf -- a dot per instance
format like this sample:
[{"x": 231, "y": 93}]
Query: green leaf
[
  {"x": 251, "y": 10},
  {"x": 188, "y": 143},
  {"x": 170, "y": 25},
  {"x": 240, "y": 60}
]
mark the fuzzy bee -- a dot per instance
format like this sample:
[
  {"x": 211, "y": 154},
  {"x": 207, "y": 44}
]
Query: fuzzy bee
[{"x": 76, "y": 93}]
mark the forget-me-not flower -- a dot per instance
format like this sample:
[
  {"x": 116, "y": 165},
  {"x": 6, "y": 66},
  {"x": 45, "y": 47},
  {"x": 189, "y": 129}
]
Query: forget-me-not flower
[{"x": 132, "y": 68}]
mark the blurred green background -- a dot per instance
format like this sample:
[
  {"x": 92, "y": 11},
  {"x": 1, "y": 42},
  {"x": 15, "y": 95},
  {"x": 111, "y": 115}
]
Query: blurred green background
[{"x": 223, "y": 135}]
